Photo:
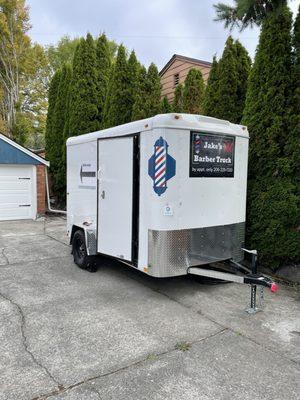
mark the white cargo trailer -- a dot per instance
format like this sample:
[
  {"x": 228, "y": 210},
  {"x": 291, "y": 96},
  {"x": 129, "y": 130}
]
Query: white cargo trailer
[{"x": 165, "y": 195}]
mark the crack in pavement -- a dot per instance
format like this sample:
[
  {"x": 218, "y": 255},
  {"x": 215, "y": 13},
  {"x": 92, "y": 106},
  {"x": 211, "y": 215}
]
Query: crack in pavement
[
  {"x": 4, "y": 256},
  {"x": 60, "y": 389},
  {"x": 24, "y": 338},
  {"x": 229, "y": 328},
  {"x": 56, "y": 240},
  {"x": 65, "y": 389},
  {"x": 189, "y": 307}
]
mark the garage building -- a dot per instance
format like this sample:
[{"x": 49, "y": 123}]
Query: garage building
[{"x": 22, "y": 181}]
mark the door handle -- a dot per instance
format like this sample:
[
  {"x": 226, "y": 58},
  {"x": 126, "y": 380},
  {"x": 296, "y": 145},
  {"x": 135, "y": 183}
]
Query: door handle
[{"x": 103, "y": 194}]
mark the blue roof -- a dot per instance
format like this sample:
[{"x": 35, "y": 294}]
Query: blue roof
[{"x": 13, "y": 153}]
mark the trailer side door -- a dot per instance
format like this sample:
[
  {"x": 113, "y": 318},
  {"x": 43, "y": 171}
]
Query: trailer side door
[{"x": 115, "y": 191}]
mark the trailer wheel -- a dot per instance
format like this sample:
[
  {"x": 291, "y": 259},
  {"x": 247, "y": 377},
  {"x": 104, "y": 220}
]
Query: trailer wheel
[{"x": 81, "y": 258}]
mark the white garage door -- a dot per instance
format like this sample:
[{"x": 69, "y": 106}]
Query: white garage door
[{"x": 17, "y": 192}]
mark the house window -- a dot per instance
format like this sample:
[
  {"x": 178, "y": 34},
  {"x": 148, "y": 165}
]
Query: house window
[{"x": 176, "y": 79}]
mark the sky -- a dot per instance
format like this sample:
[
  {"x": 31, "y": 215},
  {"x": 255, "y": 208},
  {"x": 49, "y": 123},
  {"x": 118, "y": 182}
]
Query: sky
[{"x": 155, "y": 29}]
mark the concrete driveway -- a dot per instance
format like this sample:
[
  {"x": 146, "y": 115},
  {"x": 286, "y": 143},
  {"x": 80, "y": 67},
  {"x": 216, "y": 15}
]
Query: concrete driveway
[{"x": 68, "y": 334}]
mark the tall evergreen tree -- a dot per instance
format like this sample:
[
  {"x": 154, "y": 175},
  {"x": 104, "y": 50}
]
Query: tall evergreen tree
[
  {"x": 212, "y": 91},
  {"x": 133, "y": 75},
  {"x": 147, "y": 100},
  {"x": 243, "y": 65},
  {"x": 267, "y": 95},
  {"x": 228, "y": 84},
  {"x": 244, "y": 13},
  {"x": 193, "y": 92},
  {"x": 296, "y": 52},
  {"x": 292, "y": 145},
  {"x": 116, "y": 109},
  {"x": 153, "y": 90},
  {"x": 273, "y": 207},
  {"x": 84, "y": 98},
  {"x": 165, "y": 106},
  {"x": 296, "y": 40},
  {"x": 103, "y": 73},
  {"x": 60, "y": 115},
  {"x": 52, "y": 96},
  {"x": 139, "y": 110},
  {"x": 296, "y": 81},
  {"x": 178, "y": 99},
  {"x": 60, "y": 131}
]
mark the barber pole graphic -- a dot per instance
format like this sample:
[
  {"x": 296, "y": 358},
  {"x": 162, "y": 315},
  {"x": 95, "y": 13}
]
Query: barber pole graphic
[{"x": 161, "y": 166}]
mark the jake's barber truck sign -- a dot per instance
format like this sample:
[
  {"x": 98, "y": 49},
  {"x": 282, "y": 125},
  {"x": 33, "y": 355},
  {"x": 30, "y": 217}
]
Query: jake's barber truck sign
[
  {"x": 165, "y": 195},
  {"x": 212, "y": 155}
]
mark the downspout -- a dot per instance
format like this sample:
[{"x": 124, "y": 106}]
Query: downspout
[{"x": 48, "y": 196}]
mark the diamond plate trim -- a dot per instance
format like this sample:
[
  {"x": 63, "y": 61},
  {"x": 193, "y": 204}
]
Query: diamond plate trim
[
  {"x": 91, "y": 242},
  {"x": 171, "y": 253}
]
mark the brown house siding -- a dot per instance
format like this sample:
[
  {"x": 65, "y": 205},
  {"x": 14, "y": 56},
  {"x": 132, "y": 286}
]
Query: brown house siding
[
  {"x": 41, "y": 189},
  {"x": 41, "y": 185},
  {"x": 180, "y": 65}
]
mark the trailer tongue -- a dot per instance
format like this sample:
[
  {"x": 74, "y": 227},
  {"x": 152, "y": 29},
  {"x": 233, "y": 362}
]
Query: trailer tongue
[{"x": 247, "y": 276}]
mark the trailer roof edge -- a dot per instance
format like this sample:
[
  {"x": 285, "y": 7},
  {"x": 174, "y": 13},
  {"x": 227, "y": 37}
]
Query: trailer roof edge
[{"x": 172, "y": 120}]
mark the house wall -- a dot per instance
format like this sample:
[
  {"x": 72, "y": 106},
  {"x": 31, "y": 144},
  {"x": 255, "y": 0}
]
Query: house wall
[
  {"x": 182, "y": 67},
  {"x": 41, "y": 189}
]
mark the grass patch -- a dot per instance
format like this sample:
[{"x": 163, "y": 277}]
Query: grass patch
[
  {"x": 183, "y": 346},
  {"x": 151, "y": 357}
]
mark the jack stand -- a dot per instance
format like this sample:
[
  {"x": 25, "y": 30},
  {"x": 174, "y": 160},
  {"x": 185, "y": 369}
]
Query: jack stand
[
  {"x": 247, "y": 276},
  {"x": 253, "y": 309}
]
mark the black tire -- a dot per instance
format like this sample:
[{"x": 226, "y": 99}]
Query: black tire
[{"x": 81, "y": 258}]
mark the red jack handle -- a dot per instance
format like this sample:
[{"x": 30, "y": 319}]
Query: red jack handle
[{"x": 274, "y": 287}]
